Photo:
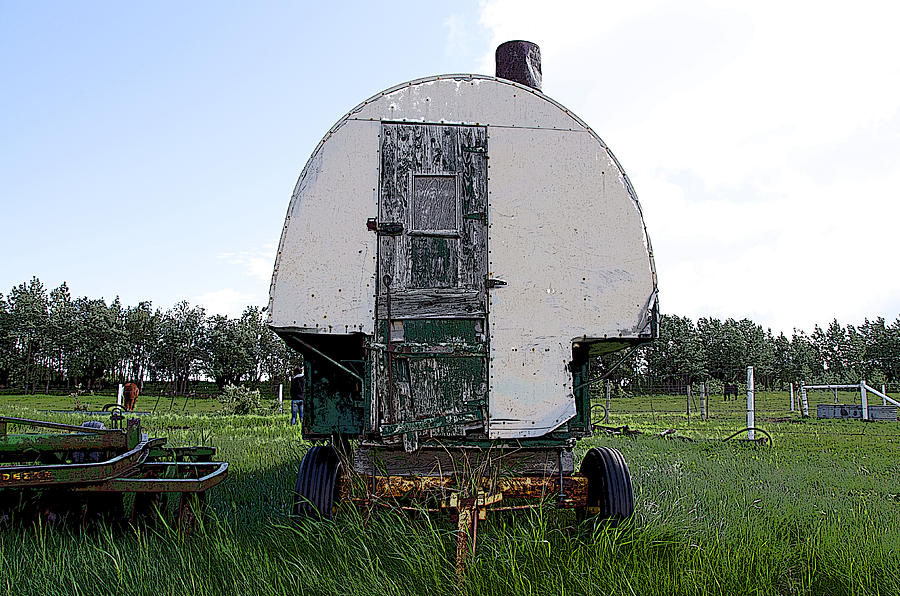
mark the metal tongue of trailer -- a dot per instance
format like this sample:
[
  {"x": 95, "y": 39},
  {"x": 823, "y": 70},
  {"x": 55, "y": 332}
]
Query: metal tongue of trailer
[{"x": 457, "y": 250}]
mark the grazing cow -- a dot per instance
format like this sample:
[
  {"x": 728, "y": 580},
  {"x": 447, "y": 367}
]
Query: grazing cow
[
  {"x": 731, "y": 389},
  {"x": 130, "y": 395}
]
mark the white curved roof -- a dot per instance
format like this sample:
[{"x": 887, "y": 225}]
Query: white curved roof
[{"x": 566, "y": 234}]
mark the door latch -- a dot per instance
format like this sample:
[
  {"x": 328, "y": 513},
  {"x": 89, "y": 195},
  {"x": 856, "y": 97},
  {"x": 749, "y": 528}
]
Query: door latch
[
  {"x": 494, "y": 283},
  {"x": 482, "y": 151},
  {"x": 384, "y": 229}
]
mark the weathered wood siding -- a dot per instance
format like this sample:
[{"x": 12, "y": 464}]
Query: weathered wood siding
[
  {"x": 434, "y": 184},
  {"x": 433, "y": 179}
]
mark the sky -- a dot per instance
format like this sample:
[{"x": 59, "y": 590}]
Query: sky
[{"x": 148, "y": 150}]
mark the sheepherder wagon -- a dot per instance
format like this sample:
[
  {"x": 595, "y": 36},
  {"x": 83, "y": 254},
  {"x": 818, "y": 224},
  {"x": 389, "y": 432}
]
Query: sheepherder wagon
[{"x": 456, "y": 252}]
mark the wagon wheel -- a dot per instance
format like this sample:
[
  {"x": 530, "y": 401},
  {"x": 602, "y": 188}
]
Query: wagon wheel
[
  {"x": 318, "y": 483},
  {"x": 610, "y": 493}
]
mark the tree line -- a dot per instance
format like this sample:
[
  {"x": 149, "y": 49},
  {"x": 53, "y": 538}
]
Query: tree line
[
  {"x": 49, "y": 339},
  {"x": 54, "y": 340},
  {"x": 689, "y": 351}
]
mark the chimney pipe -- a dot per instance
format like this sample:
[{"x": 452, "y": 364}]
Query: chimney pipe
[{"x": 520, "y": 61}]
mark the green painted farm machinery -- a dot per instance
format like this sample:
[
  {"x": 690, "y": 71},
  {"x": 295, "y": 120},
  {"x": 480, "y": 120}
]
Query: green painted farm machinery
[{"x": 59, "y": 474}]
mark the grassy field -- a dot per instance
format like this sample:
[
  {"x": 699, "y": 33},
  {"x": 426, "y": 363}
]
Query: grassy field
[
  {"x": 818, "y": 512},
  {"x": 155, "y": 404}
]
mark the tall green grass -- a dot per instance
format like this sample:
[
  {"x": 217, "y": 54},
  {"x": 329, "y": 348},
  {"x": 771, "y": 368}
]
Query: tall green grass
[{"x": 816, "y": 513}]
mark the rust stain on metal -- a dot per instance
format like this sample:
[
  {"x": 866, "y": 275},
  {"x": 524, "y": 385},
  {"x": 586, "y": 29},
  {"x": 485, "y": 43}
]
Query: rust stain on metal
[{"x": 496, "y": 489}]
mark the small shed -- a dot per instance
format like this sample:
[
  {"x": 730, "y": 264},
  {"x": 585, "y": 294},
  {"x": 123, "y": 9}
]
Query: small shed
[{"x": 455, "y": 250}]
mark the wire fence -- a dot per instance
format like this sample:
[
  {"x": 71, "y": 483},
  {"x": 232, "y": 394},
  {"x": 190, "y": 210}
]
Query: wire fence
[
  {"x": 713, "y": 417},
  {"x": 196, "y": 389}
]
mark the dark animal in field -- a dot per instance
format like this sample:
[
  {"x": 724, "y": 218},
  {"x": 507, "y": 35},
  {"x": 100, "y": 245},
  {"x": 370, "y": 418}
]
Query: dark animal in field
[
  {"x": 130, "y": 395},
  {"x": 732, "y": 390}
]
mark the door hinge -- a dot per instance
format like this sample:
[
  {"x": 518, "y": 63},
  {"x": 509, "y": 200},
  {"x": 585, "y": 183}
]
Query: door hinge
[{"x": 480, "y": 216}]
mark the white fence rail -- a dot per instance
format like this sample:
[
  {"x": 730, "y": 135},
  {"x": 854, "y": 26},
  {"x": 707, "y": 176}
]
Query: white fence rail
[
  {"x": 864, "y": 390},
  {"x": 882, "y": 395}
]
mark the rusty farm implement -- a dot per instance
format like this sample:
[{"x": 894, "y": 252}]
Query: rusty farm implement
[{"x": 65, "y": 474}]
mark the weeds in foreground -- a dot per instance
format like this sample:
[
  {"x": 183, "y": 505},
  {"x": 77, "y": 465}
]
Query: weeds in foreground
[{"x": 815, "y": 514}]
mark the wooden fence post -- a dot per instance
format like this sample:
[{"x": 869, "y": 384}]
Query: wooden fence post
[
  {"x": 751, "y": 405},
  {"x": 687, "y": 400},
  {"x": 792, "y": 398},
  {"x": 703, "y": 401},
  {"x": 883, "y": 393},
  {"x": 280, "y": 397},
  {"x": 119, "y": 396},
  {"x": 608, "y": 389},
  {"x": 804, "y": 401}
]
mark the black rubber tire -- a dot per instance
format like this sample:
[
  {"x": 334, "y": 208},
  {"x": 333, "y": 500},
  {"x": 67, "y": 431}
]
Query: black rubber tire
[
  {"x": 318, "y": 483},
  {"x": 609, "y": 485}
]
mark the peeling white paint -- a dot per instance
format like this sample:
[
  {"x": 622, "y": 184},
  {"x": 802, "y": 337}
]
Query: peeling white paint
[
  {"x": 575, "y": 261},
  {"x": 566, "y": 234},
  {"x": 325, "y": 270}
]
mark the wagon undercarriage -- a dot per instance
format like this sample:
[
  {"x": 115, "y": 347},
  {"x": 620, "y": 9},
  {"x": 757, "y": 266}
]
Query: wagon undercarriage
[{"x": 465, "y": 482}]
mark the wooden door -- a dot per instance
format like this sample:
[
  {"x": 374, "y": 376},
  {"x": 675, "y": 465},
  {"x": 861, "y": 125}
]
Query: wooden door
[{"x": 433, "y": 250}]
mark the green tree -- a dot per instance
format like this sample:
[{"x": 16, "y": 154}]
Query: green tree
[
  {"x": 28, "y": 312},
  {"x": 100, "y": 342},
  {"x": 62, "y": 333},
  {"x": 141, "y": 334},
  {"x": 889, "y": 352},
  {"x": 253, "y": 323},
  {"x": 806, "y": 360},
  {"x": 678, "y": 353},
  {"x": 179, "y": 348},
  {"x": 229, "y": 351},
  {"x": 7, "y": 342},
  {"x": 712, "y": 340}
]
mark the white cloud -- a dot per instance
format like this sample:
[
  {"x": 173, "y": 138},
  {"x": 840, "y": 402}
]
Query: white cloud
[
  {"x": 255, "y": 264},
  {"x": 763, "y": 140},
  {"x": 457, "y": 37},
  {"x": 227, "y": 301}
]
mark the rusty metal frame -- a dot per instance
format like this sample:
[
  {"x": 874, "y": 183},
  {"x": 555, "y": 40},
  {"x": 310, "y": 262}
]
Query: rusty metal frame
[
  {"x": 36, "y": 476},
  {"x": 131, "y": 461},
  {"x": 4, "y": 420},
  {"x": 443, "y": 493},
  {"x": 425, "y": 488},
  {"x": 213, "y": 474}
]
